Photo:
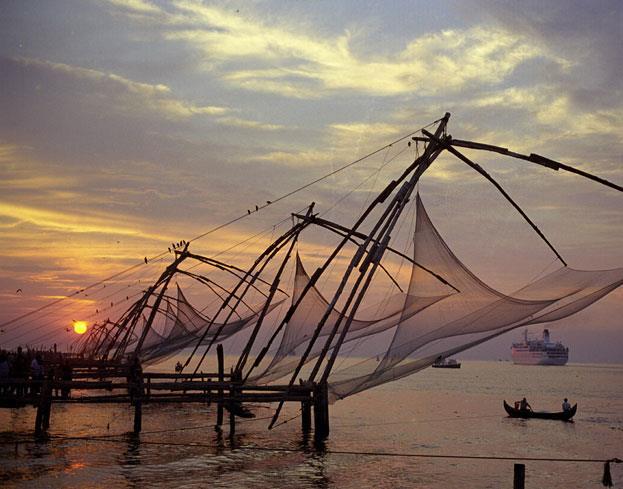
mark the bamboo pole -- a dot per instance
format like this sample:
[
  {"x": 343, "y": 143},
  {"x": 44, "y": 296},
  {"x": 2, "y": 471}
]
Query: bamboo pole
[
  {"x": 269, "y": 252},
  {"x": 273, "y": 289},
  {"x": 378, "y": 200},
  {"x": 480, "y": 170},
  {"x": 391, "y": 215}
]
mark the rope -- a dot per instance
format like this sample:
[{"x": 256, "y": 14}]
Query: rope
[{"x": 366, "y": 453}]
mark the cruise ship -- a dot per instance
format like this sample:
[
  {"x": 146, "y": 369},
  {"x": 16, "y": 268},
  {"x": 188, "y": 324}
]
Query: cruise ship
[{"x": 539, "y": 352}]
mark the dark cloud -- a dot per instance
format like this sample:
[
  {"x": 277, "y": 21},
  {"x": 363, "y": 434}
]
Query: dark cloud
[{"x": 589, "y": 34}]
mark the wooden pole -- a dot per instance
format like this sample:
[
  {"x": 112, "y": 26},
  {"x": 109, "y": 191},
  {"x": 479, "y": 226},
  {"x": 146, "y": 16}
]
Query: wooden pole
[
  {"x": 232, "y": 407},
  {"x": 249, "y": 279},
  {"x": 138, "y": 415},
  {"x": 44, "y": 407},
  {"x": 384, "y": 228},
  {"x": 273, "y": 289},
  {"x": 137, "y": 372},
  {"x": 321, "y": 412},
  {"x": 47, "y": 404},
  {"x": 221, "y": 379},
  {"x": 519, "y": 476},
  {"x": 39, "y": 418},
  {"x": 480, "y": 170},
  {"x": 305, "y": 412},
  {"x": 381, "y": 198}
]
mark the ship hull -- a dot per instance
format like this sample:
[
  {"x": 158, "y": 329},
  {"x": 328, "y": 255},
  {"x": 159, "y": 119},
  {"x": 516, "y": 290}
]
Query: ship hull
[{"x": 538, "y": 358}]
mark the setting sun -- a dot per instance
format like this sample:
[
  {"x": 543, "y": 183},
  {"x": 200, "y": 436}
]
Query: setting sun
[{"x": 80, "y": 327}]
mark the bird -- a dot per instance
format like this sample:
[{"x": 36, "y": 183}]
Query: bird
[
  {"x": 145, "y": 259},
  {"x": 18, "y": 291},
  {"x": 268, "y": 202},
  {"x": 248, "y": 211},
  {"x": 257, "y": 208},
  {"x": 169, "y": 248}
]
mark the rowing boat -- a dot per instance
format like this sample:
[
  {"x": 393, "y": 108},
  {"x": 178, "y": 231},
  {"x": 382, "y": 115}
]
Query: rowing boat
[{"x": 524, "y": 413}]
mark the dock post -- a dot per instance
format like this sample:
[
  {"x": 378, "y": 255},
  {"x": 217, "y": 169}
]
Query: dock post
[
  {"x": 519, "y": 476},
  {"x": 46, "y": 399},
  {"x": 221, "y": 379},
  {"x": 44, "y": 406},
  {"x": 39, "y": 419},
  {"x": 138, "y": 399},
  {"x": 232, "y": 404},
  {"x": 138, "y": 416},
  {"x": 321, "y": 411},
  {"x": 306, "y": 410}
]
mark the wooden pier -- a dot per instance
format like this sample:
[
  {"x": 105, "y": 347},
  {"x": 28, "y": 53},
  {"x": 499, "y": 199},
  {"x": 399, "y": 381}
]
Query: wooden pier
[{"x": 105, "y": 382}]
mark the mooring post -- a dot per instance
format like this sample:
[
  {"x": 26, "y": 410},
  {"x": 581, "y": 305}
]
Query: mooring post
[
  {"x": 321, "y": 411},
  {"x": 44, "y": 406},
  {"x": 232, "y": 404},
  {"x": 39, "y": 418},
  {"x": 519, "y": 476},
  {"x": 306, "y": 409},
  {"x": 138, "y": 398},
  {"x": 46, "y": 398},
  {"x": 138, "y": 415},
  {"x": 221, "y": 379}
]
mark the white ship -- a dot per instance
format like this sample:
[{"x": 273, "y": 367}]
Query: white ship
[{"x": 539, "y": 352}]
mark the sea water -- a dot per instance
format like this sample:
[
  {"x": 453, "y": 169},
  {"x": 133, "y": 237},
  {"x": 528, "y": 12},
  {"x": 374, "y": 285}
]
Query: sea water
[{"x": 434, "y": 412}]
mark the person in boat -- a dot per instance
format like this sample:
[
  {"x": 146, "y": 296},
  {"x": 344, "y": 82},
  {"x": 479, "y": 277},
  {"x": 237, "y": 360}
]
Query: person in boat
[
  {"x": 524, "y": 405},
  {"x": 179, "y": 367},
  {"x": 565, "y": 405}
]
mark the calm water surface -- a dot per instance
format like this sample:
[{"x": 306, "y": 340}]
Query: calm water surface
[{"x": 437, "y": 411}]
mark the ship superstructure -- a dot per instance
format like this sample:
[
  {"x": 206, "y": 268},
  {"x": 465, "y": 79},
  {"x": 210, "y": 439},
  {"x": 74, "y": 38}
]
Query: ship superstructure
[{"x": 539, "y": 351}]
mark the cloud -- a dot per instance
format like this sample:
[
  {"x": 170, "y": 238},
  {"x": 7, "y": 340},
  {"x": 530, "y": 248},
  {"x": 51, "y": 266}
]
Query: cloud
[
  {"x": 274, "y": 58},
  {"x": 249, "y": 124},
  {"x": 125, "y": 95},
  {"x": 136, "y": 6},
  {"x": 72, "y": 223}
]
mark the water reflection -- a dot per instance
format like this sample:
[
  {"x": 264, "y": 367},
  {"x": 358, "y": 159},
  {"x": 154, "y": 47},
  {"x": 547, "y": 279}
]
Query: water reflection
[{"x": 430, "y": 413}]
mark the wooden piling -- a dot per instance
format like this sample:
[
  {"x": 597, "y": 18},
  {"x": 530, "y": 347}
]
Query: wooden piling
[
  {"x": 321, "y": 411},
  {"x": 137, "y": 374},
  {"x": 232, "y": 405},
  {"x": 38, "y": 419},
  {"x": 44, "y": 408},
  {"x": 221, "y": 379},
  {"x": 305, "y": 412},
  {"x": 519, "y": 476},
  {"x": 138, "y": 415}
]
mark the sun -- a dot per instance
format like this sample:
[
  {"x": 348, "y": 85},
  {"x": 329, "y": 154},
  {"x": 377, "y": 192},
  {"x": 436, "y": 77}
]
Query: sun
[{"x": 80, "y": 327}]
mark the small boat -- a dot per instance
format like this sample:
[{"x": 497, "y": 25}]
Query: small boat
[
  {"x": 446, "y": 363},
  {"x": 519, "y": 413}
]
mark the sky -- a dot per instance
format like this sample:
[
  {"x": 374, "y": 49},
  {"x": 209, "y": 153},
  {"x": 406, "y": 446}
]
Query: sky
[{"x": 127, "y": 125}]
